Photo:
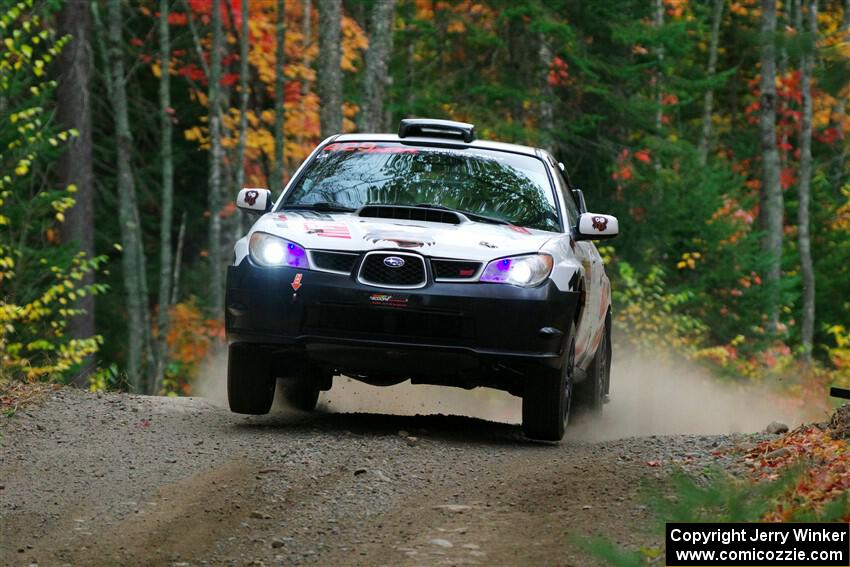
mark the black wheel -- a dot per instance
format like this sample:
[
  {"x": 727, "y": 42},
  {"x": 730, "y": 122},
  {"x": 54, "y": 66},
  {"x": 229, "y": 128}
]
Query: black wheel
[
  {"x": 302, "y": 390},
  {"x": 547, "y": 398},
  {"x": 593, "y": 392},
  {"x": 250, "y": 384}
]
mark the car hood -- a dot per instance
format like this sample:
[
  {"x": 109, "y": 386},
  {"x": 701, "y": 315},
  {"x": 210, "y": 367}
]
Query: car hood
[{"x": 348, "y": 232}]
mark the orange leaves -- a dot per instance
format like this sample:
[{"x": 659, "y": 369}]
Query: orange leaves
[
  {"x": 190, "y": 339},
  {"x": 827, "y": 474}
]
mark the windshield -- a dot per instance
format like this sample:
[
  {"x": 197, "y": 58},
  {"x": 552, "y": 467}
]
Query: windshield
[{"x": 510, "y": 187}]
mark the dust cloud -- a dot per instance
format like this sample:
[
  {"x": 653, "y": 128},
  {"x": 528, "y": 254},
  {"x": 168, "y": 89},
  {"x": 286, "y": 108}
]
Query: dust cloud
[{"x": 648, "y": 397}]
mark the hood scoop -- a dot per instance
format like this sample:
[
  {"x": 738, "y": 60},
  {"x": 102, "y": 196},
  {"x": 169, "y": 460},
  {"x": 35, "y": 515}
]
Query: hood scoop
[{"x": 425, "y": 214}]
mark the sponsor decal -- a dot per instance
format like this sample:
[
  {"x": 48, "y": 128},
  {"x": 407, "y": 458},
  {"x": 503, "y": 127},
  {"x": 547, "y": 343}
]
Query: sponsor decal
[
  {"x": 281, "y": 217},
  {"x": 600, "y": 223},
  {"x": 466, "y": 272},
  {"x": 394, "y": 262},
  {"x": 388, "y": 300},
  {"x": 296, "y": 283},
  {"x": 402, "y": 239},
  {"x": 487, "y": 244},
  {"x": 251, "y": 197},
  {"x": 369, "y": 147},
  {"x": 327, "y": 229},
  {"x": 519, "y": 229}
]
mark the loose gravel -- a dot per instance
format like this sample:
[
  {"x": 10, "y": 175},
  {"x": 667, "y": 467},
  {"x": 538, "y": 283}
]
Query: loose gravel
[{"x": 130, "y": 480}]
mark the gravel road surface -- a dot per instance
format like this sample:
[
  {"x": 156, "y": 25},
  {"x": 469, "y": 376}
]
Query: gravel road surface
[{"x": 129, "y": 480}]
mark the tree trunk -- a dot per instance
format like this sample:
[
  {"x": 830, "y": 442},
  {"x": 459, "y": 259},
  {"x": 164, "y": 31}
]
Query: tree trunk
[
  {"x": 75, "y": 163},
  {"x": 771, "y": 188},
  {"x": 244, "y": 94},
  {"x": 279, "y": 100},
  {"x": 708, "y": 100},
  {"x": 546, "y": 111},
  {"x": 839, "y": 110},
  {"x": 214, "y": 196},
  {"x": 376, "y": 74},
  {"x": 306, "y": 34},
  {"x": 133, "y": 257},
  {"x": 807, "y": 328},
  {"x": 658, "y": 21},
  {"x": 167, "y": 199},
  {"x": 330, "y": 75}
]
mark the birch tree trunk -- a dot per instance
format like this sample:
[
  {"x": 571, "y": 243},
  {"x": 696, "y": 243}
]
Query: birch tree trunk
[
  {"x": 306, "y": 35},
  {"x": 807, "y": 328},
  {"x": 244, "y": 93},
  {"x": 214, "y": 195},
  {"x": 376, "y": 73},
  {"x": 279, "y": 99},
  {"x": 708, "y": 100},
  {"x": 658, "y": 20},
  {"x": 75, "y": 163},
  {"x": 771, "y": 189},
  {"x": 546, "y": 111},
  {"x": 133, "y": 257},
  {"x": 839, "y": 110},
  {"x": 330, "y": 76},
  {"x": 167, "y": 198}
]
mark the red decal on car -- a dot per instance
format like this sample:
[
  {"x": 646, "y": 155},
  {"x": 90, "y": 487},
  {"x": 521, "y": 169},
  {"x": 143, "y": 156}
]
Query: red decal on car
[
  {"x": 600, "y": 223},
  {"x": 519, "y": 229},
  {"x": 368, "y": 147},
  {"x": 328, "y": 229},
  {"x": 466, "y": 272},
  {"x": 296, "y": 283}
]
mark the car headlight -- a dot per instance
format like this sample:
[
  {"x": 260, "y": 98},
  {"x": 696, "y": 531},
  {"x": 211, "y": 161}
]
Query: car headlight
[
  {"x": 525, "y": 271},
  {"x": 268, "y": 250}
]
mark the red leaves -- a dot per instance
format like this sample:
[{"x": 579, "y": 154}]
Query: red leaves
[
  {"x": 177, "y": 19},
  {"x": 788, "y": 177},
  {"x": 558, "y": 72},
  {"x": 826, "y": 477},
  {"x": 643, "y": 155}
]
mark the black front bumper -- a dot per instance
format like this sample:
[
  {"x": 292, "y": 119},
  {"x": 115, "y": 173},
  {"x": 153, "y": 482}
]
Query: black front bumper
[{"x": 463, "y": 334}]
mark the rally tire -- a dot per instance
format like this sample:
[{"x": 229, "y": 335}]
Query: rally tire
[
  {"x": 250, "y": 384},
  {"x": 302, "y": 390},
  {"x": 592, "y": 393},
  {"x": 547, "y": 398}
]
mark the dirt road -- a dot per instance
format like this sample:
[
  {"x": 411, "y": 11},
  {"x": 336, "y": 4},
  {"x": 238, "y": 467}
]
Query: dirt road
[{"x": 124, "y": 480}]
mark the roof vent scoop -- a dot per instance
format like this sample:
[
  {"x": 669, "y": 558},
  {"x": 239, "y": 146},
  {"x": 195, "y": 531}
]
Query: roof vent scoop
[{"x": 433, "y": 128}]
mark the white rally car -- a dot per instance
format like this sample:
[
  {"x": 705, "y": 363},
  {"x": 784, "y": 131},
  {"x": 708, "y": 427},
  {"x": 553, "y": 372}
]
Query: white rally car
[{"x": 429, "y": 256}]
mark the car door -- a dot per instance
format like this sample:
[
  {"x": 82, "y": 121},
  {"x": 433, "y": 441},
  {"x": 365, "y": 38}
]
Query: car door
[{"x": 590, "y": 261}]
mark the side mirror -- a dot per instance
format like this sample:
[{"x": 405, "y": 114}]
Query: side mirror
[
  {"x": 578, "y": 195},
  {"x": 593, "y": 226},
  {"x": 254, "y": 200}
]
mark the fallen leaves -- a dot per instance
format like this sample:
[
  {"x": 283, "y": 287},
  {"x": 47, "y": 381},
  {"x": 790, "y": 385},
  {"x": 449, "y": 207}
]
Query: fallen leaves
[{"x": 822, "y": 452}]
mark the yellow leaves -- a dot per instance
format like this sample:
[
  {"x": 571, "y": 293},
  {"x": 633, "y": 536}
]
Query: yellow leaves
[
  {"x": 688, "y": 261},
  {"x": 156, "y": 70}
]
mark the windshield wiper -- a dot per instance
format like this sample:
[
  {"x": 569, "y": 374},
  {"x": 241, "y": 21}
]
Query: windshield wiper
[
  {"x": 321, "y": 206},
  {"x": 471, "y": 215}
]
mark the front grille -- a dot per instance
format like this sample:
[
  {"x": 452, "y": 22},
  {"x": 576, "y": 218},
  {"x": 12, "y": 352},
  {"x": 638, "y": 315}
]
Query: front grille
[
  {"x": 333, "y": 261},
  {"x": 386, "y": 323},
  {"x": 374, "y": 271},
  {"x": 454, "y": 269}
]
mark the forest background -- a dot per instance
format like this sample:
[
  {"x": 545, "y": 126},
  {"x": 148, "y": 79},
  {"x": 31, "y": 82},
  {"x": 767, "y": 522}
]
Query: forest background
[{"x": 717, "y": 131}]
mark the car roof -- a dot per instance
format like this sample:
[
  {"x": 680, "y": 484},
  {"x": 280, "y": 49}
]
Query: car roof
[{"x": 432, "y": 141}]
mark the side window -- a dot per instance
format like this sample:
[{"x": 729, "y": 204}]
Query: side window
[{"x": 572, "y": 208}]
